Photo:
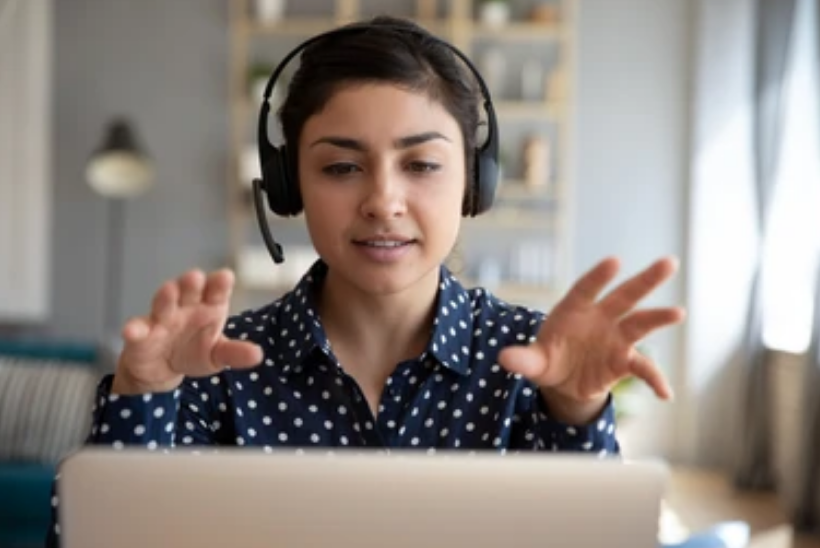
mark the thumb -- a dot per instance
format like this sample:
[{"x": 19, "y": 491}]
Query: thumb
[
  {"x": 528, "y": 361},
  {"x": 236, "y": 353}
]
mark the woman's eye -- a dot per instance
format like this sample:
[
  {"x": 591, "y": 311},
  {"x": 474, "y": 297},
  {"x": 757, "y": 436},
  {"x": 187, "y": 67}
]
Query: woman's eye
[
  {"x": 339, "y": 170},
  {"x": 423, "y": 167}
]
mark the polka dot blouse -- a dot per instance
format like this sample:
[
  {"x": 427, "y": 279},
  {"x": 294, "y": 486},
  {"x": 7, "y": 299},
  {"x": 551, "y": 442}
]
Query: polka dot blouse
[{"x": 454, "y": 395}]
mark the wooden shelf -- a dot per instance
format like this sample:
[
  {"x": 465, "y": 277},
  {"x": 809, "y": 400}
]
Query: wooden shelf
[
  {"x": 514, "y": 189},
  {"x": 512, "y": 219},
  {"x": 516, "y": 292},
  {"x": 529, "y": 109},
  {"x": 519, "y": 31},
  {"x": 305, "y": 26},
  {"x": 309, "y": 26}
]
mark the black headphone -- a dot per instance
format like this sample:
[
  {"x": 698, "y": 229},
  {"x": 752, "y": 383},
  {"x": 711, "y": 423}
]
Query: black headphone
[{"x": 281, "y": 187}]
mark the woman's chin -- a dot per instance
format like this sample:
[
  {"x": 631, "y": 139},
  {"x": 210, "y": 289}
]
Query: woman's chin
[{"x": 388, "y": 280}]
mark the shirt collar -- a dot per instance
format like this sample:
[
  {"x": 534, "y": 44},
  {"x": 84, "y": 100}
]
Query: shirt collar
[{"x": 298, "y": 332}]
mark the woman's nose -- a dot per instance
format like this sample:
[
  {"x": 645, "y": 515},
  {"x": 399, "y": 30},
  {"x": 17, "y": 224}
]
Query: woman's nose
[{"x": 384, "y": 196}]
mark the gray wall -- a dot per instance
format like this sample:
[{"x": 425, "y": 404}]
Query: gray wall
[
  {"x": 632, "y": 156},
  {"x": 165, "y": 65}
]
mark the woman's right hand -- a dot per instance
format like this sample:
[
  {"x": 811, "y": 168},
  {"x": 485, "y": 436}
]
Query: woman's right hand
[{"x": 182, "y": 336}]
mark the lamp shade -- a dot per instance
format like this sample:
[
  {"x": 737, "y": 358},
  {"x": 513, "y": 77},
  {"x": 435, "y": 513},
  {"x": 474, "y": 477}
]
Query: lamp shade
[{"x": 120, "y": 168}]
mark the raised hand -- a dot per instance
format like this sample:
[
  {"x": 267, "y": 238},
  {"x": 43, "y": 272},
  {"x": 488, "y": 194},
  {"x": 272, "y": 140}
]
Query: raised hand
[
  {"x": 585, "y": 345},
  {"x": 182, "y": 336}
]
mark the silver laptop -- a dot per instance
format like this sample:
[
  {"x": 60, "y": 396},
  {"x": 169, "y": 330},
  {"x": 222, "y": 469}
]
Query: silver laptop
[{"x": 244, "y": 499}]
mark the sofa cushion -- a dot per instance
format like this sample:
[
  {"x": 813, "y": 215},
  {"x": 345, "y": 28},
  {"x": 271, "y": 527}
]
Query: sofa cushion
[
  {"x": 45, "y": 408},
  {"x": 62, "y": 351},
  {"x": 25, "y": 496}
]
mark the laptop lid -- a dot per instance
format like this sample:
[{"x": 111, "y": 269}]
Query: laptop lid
[{"x": 247, "y": 499}]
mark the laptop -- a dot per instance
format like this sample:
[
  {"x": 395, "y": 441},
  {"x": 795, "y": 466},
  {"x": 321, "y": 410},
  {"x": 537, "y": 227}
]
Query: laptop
[{"x": 248, "y": 499}]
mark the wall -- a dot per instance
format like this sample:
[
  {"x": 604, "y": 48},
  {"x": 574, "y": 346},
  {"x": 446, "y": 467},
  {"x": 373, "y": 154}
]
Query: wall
[
  {"x": 164, "y": 65},
  {"x": 632, "y": 162}
]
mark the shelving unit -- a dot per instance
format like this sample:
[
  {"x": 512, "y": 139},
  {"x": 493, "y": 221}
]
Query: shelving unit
[{"x": 492, "y": 248}]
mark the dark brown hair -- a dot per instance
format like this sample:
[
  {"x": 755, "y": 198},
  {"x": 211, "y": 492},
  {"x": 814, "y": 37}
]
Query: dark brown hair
[{"x": 391, "y": 50}]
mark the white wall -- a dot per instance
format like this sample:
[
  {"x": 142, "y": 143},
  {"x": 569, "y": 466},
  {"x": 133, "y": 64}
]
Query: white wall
[
  {"x": 25, "y": 172},
  {"x": 631, "y": 160}
]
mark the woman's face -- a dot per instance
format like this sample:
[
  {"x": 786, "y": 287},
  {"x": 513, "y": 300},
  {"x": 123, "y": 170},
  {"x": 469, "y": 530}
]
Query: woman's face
[{"x": 382, "y": 177}]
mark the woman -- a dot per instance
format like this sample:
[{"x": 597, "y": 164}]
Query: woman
[{"x": 379, "y": 345}]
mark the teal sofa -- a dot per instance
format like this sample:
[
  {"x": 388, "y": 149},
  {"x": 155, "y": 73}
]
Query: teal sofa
[{"x": 46, "y": 396}]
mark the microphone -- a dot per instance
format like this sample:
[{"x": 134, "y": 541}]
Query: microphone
[{"x": 274, "y": 248}]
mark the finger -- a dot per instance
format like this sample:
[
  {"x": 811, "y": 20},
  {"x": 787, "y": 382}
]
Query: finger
[
  {"x": 191, "y": 285},
  {"x": 639, "y": 324},
  {"x": 623, "y": 298},
  {"x": 237, "y": 354},
  {"x": 164, "y": 304},
  {"x": 530, "y": 362},
  {"x": 590, "y": 285},
  {"x": 643, "y": 368},
  {"x": 136, "y": 330},
  {"x": 218, "y": 287}
]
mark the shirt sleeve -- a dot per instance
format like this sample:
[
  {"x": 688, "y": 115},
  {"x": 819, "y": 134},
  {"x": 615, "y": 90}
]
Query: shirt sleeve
[
  {"x": 540, "y": 432},
  {"x": 188, "y": 415},
  {"x": 182, "y": 416}
]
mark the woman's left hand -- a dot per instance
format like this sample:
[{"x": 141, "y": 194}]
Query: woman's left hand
[{"x": 585, "y": 345}]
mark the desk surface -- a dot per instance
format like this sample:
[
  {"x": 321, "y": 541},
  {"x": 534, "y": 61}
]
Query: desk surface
[{"x": 697, "y": 499}]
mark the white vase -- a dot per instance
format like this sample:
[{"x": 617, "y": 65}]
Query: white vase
[
  {"x": 494, "y": 14},
  {"x": 270, "y": 11}
]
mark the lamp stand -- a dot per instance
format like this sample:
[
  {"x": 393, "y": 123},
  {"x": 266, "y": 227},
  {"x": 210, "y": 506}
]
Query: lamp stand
[{"x": 114, "y": 267}]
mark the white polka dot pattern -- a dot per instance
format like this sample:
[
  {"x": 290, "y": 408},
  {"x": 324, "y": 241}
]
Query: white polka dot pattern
[{"x": 455, "y": 395}]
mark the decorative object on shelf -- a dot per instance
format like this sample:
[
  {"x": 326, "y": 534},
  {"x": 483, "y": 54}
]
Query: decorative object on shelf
[
  {"x": 257, "y": 79},
  {"x": 494, "y": 13},
  {"x": 531, "y": 263},
  {"x": 428, "y": 10},
  {"x": 118, "y": 170},
  {"x": 249, "y": 166},
  {"x": 556, "y": 88},
  {"x": 493, "y": 68},
  {"x": 532, "y": 80},
  {"x": 546, "y": 13},
  {"x": 270, "y": 11},
  {"x": 536, "y": 162}
]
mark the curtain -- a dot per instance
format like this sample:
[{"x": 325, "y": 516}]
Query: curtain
[
  {"x": 806, "y": 513},
  {"x": 806, "y": 509},
  {"x": 753, "y": 463}
]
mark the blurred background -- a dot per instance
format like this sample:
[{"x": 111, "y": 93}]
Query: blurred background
[{"x": 634, "y": 128}]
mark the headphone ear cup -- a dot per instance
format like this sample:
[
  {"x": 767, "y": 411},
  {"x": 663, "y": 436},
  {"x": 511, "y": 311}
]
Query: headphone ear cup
[
  {"x": 283, "y": 194},
  {"x": 485, "y": 183}
]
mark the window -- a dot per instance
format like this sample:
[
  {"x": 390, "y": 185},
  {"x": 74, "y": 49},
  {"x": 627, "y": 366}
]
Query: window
[{"x": 792, "y": 246}]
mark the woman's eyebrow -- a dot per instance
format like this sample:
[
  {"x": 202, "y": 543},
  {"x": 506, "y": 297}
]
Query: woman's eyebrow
[
  {"x": 402, "y": 142},
  {"x": 413, "y": 140}
]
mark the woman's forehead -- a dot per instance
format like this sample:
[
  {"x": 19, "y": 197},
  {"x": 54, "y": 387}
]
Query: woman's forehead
[{"x": 387, "y": 110}]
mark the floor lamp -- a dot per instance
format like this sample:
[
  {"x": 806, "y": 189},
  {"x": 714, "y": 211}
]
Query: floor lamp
[{"x": 118, "y": 170}]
